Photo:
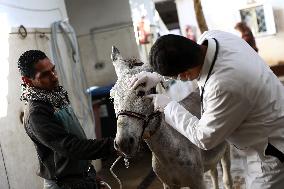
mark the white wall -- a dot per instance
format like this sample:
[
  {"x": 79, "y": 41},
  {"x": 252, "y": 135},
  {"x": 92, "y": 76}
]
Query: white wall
[
  {"x": 223, "y": 15},
  {"x": 17, "y": 149},
  {"x": 19, "y": 152},
  {"x": 88, "y": 14},
  {"x": 94, "y": 21},
  {"x": 33, "y": 13}
]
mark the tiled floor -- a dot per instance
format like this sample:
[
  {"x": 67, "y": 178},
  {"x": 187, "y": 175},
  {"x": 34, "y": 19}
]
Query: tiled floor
[{"x": 140, "y": 166}]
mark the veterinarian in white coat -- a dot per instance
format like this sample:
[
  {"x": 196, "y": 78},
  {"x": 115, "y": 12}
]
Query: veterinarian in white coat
[{"x": 242, "y": 100}]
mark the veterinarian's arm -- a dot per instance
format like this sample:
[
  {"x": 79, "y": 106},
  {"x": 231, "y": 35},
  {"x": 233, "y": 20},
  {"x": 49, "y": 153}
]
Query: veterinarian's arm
[{"x": 224, "y": 113}]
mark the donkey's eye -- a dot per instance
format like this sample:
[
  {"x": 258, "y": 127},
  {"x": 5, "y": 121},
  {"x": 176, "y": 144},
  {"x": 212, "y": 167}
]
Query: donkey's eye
[
  {"x": 153, "y": 90},
  {"x": 140, "y": 93}
]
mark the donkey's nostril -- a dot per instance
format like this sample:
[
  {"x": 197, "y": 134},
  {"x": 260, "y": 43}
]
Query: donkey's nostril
[
  {"x": 141, "y": 93},
  {"x": 131, "y": 140},
  {"x": 115, "y": 145},
  {"x": 125, "y": 146}
]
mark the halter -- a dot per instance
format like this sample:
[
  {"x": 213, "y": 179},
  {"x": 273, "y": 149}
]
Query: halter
[{"x": 145, "y": 118}]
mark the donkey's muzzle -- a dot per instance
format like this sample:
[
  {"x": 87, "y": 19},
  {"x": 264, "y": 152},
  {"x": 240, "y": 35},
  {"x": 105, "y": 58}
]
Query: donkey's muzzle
[{"x": 126, "y": 146}]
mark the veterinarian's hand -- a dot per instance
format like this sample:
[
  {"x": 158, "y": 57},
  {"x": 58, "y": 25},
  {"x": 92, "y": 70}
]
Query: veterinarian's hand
[
  {"x": 146, "y": 79},
  {"x": 160, "y": 101}
]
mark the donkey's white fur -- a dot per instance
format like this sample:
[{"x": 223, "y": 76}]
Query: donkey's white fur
[{"x": 176, "y": 161}]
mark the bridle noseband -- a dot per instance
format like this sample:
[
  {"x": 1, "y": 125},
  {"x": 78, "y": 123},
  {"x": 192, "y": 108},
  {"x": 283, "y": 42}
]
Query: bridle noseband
[{"x": 145, "y": 118}]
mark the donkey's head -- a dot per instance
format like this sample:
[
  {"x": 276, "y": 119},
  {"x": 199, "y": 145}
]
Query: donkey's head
[{"x": 131, "y": 107}]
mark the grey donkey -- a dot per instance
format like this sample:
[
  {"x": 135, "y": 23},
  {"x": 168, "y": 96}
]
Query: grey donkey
[{"x": 176, "y": 161}]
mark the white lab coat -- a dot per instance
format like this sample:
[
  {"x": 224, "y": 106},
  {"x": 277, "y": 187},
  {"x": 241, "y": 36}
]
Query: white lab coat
[{"x": 243, "y": 104}]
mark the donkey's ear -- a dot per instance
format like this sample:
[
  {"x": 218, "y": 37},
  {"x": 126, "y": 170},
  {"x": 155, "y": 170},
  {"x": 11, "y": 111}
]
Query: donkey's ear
[{"x": 115, "y": 54}]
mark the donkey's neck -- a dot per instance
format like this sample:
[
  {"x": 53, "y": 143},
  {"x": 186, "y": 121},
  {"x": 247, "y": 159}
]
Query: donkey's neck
[
  {"x": 166, "y": 140},
  {"x": 166, "y": 143}
]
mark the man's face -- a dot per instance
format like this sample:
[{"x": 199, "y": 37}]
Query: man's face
[
  {"x": 190, "y": 74},
  {"x": 45, "y": 75}
]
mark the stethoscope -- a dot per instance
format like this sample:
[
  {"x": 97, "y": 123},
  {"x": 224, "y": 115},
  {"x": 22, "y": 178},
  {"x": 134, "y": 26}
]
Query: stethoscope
[{"x": 209, "y": 74}]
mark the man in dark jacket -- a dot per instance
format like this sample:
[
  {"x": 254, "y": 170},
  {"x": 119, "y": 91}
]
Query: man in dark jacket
[{"x": 63, "y": 150}]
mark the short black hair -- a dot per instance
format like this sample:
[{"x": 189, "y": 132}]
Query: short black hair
[
  {"x": 173, "y": 54},
  {"x": 27, "y": 61}
]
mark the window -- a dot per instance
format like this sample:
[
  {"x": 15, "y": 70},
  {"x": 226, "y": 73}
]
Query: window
[{"x": 259, "y": 17}]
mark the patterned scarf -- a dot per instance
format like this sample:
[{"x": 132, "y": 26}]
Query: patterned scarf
[{"x": 58, "y": 97}]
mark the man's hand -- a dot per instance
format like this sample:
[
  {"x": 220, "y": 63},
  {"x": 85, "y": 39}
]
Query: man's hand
[
  {"x": 146, "y": 79},
  {"x": 160, "y": 101}
]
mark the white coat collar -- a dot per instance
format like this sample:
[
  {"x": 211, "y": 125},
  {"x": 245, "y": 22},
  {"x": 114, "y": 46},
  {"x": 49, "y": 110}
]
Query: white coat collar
[{"x": 211, "y": 49}]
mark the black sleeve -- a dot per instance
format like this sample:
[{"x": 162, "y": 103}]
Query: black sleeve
[{"x": 52, "y": 134}]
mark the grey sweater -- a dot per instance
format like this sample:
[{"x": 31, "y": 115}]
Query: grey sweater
[{"x": 61, "y": 144}]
